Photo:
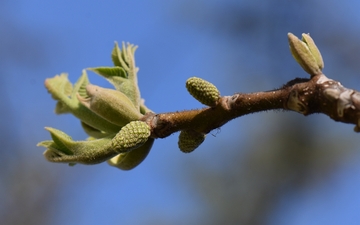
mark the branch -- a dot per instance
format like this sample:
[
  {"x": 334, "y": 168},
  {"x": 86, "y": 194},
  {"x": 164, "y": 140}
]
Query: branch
[
  {"x": 122, "y": 129},
  {"x": 306, "y": 96}
]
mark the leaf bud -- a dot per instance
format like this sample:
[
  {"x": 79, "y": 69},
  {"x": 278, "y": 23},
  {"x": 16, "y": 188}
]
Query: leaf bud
[{"x": 306, "y": 54}]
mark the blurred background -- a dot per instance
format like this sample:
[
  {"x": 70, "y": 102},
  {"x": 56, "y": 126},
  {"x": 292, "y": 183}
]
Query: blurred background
[{"x": 273, "y": 168}]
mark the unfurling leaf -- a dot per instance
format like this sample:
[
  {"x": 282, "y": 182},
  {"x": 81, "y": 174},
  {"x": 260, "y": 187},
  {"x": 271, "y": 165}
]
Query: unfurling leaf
[
  {"x": 124, "y": 75},
  {"x": 129, "y": 160},
  {"x": 110, "y": 104},
  {"x": 65, "y": 150},
  {"x": 59, "y": 87}
]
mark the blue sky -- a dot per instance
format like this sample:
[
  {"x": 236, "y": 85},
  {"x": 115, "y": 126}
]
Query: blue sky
[{"x": 174, "y": 44}]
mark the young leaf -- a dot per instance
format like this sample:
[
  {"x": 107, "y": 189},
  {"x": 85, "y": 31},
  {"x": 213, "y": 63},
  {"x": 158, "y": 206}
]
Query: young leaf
[
  {"x": 65, "y": 150},
  {"x": 109, "y": 72},
  {"x": 130, "y": 160},
  {"x": 116, "y": 55},
  {"x": 58, "y": 87},
  {"x": 111, "y": 105}
]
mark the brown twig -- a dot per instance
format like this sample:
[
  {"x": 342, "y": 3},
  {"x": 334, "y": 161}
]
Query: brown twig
[{"x": 306, "y": 96}]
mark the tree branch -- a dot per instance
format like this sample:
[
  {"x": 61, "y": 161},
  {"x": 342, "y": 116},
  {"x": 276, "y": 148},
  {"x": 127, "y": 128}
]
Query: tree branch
[
  {"x": 122, "y": 129},
  {"x": 306, "y": 96}
]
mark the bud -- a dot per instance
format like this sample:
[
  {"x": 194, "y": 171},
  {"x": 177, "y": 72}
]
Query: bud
[
  {"x": 313, "y": 49},
  {"x": 306, "y": 54},
  {"x": 203, "y": 91},
  {"x": 189, "y": 140},
  {"x": 131, "y": 136},
  {"x": 112, "y": 105},
  {"x": 130, "y": 160}
]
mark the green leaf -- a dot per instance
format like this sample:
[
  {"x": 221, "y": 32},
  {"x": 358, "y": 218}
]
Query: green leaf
[
  {"x": 125, "y": 58},
  {"x": 57, "y": 87},
  {"x": 64, "y": 149},
  {"x": 116, "y": 55},
  {"x": 59, "y": 139},
  {"x": 93, "y": 132},
  {"x": 61, "y": 108},
  {"x": 116, "y": 76},
  {"x": 111, "y": 105},
  {"x": 130, "y": 160},
  {"x": 109, "y": 72},
  {"x": 80, "y": 85}
]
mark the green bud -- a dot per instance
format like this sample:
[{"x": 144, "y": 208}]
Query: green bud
[
  {"x": 313, "y": 49},
  {"x": 306, "y": 54},
  {"x": 189, "y": 140},
  {"x": 110, "y": 104},
  {"x": 203, "y": 91},
  {"x": 131, "y": 136},
  {"x": 130, "y": 160}
]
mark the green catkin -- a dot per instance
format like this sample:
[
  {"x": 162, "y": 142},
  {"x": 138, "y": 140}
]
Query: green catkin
[
  {"x": 189, "y": 140},
  {"x": 203, "y": 91},
  {"x": 131, "y": 136}
]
